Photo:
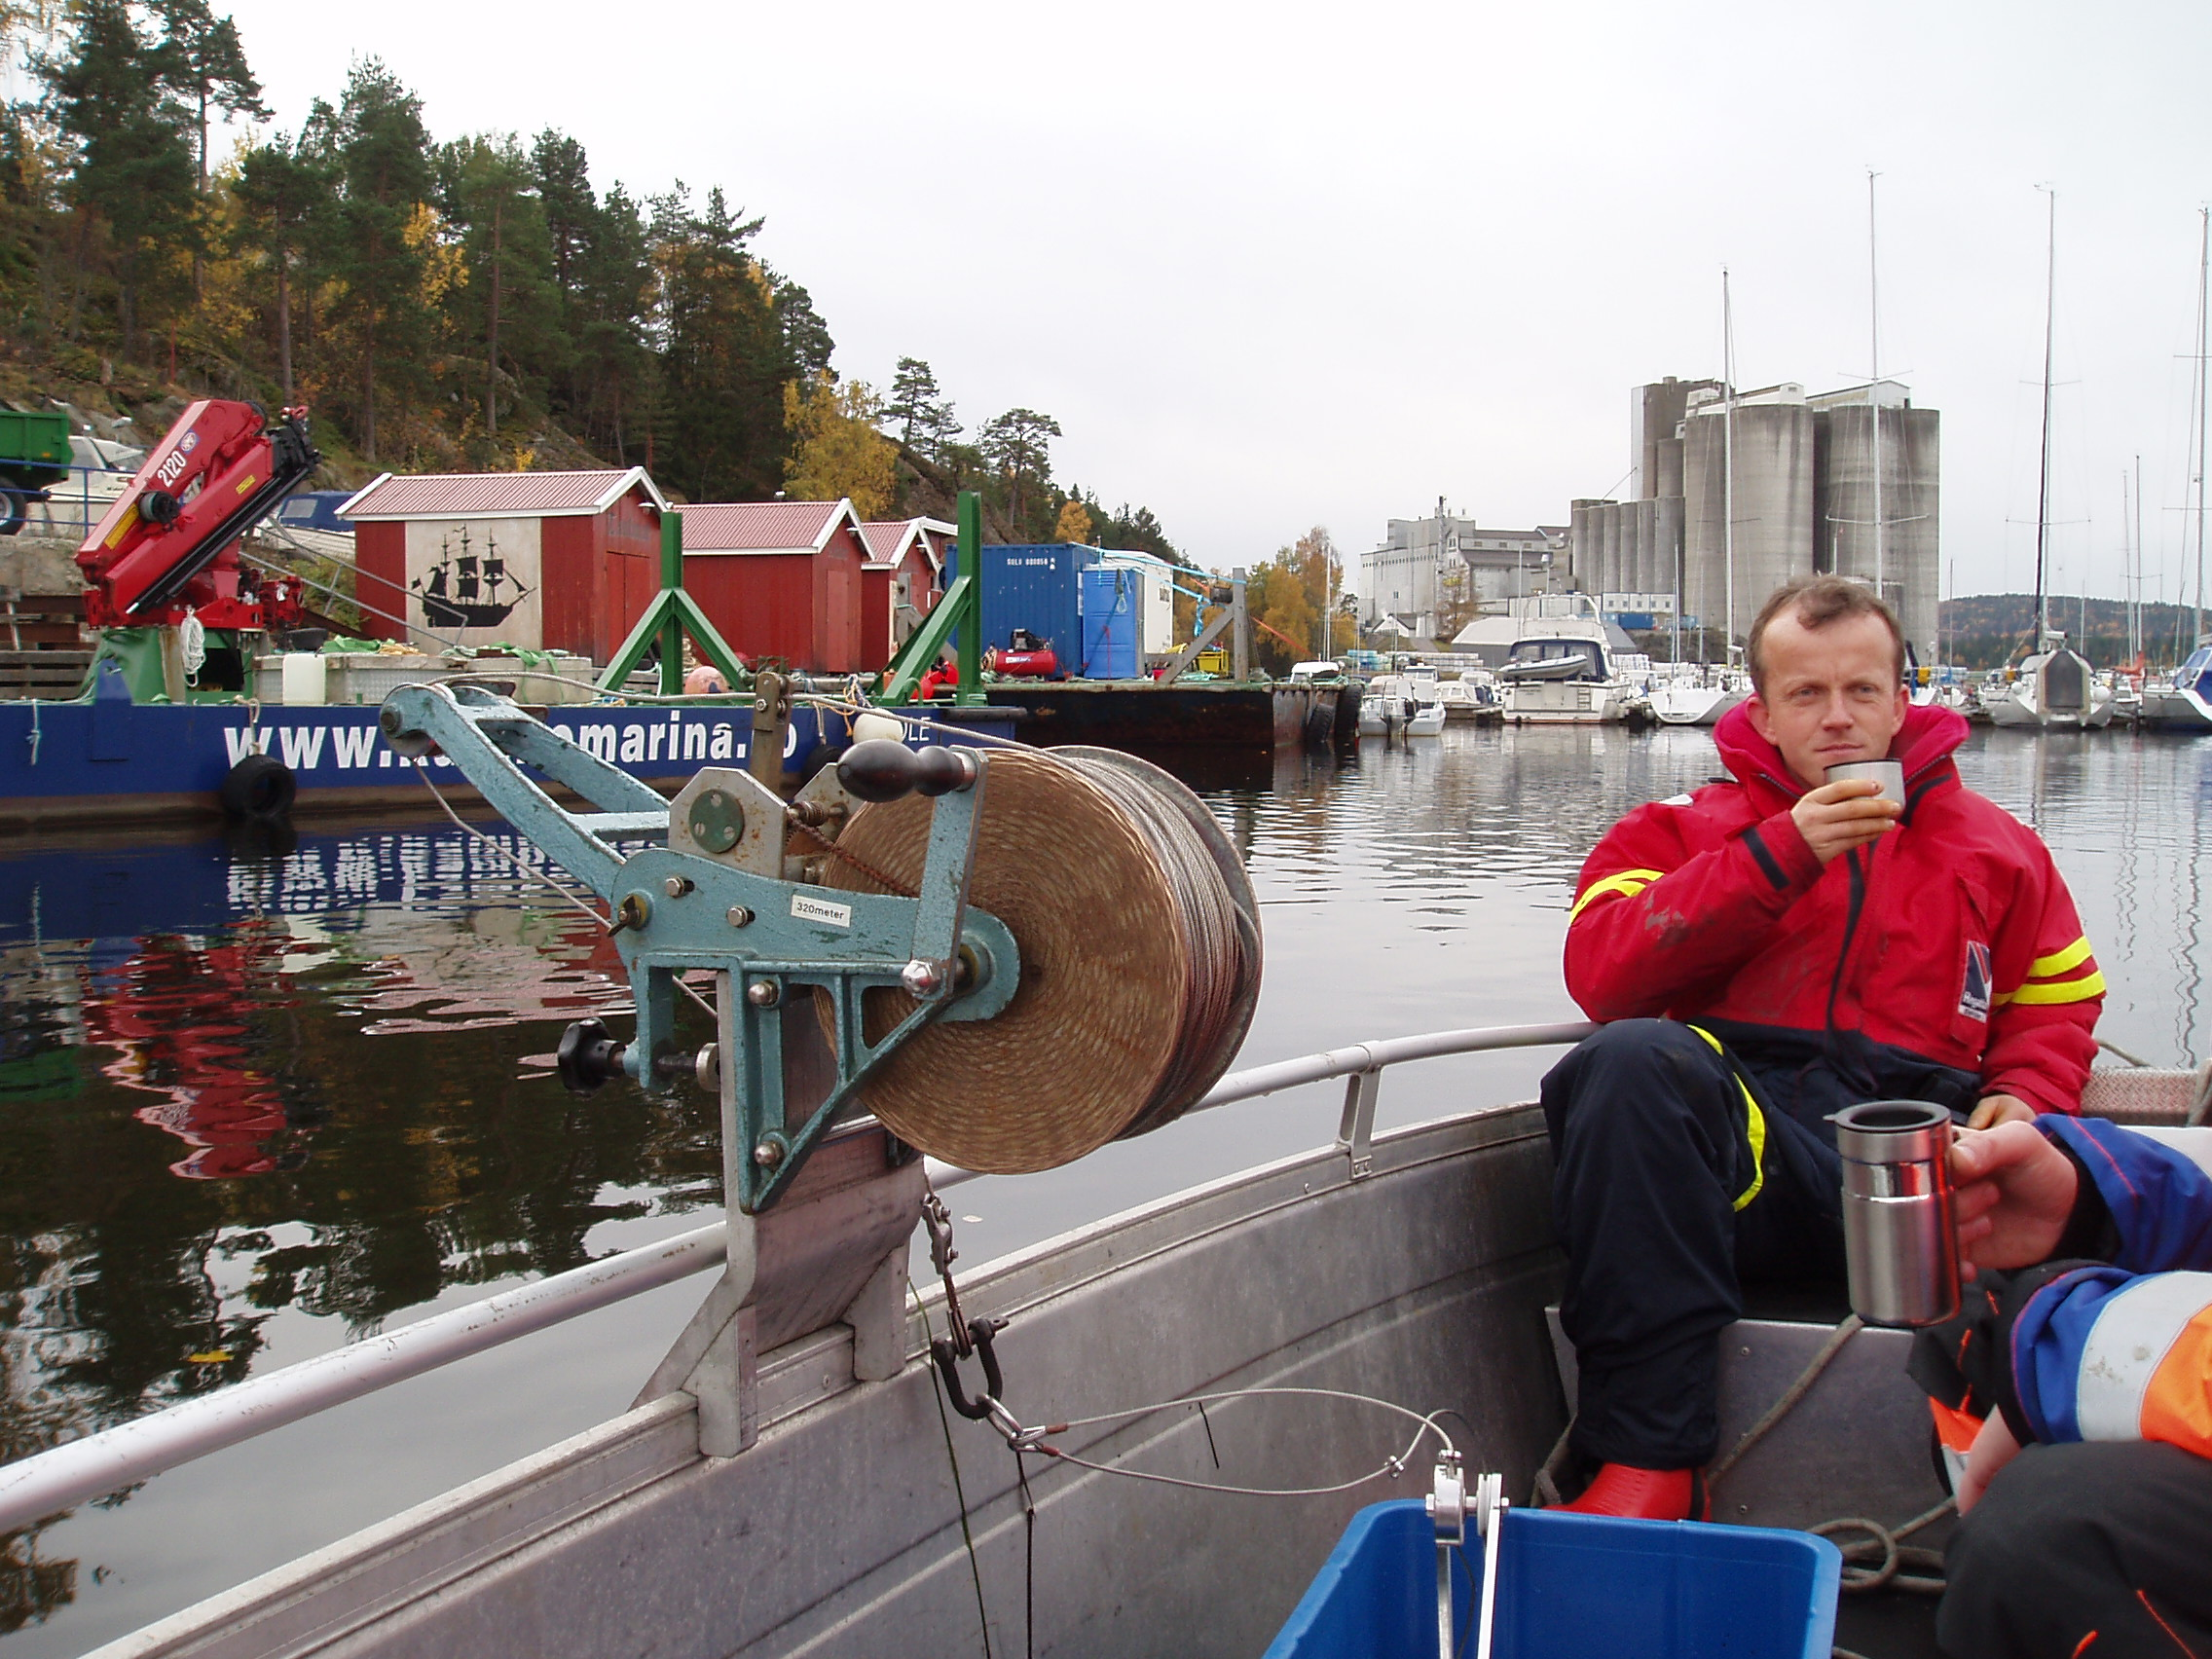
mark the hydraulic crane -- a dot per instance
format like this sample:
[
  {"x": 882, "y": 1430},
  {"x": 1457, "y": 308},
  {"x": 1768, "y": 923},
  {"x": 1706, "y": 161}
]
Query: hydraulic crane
[{"x": 168, "y": 547}]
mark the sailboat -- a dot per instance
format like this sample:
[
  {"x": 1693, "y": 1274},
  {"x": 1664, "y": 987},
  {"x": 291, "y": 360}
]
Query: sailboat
[
  {"x": 2055, "y": 690},
  {"x": 2182, "y": 702}
]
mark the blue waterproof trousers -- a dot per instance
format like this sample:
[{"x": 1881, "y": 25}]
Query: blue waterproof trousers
[{"x": 1682, "y": 1169}]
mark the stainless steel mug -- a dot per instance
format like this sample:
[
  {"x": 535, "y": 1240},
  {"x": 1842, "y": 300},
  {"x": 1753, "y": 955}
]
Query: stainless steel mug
[
  {"x": 1898, "y": 1233},
  {"x": 1890, "y": 774}
]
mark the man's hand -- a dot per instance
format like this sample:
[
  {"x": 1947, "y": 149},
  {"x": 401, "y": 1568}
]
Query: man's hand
[
  {"x": 1993, "y": 1109},
  {"x": 1993, "y": 1447},
  {"x": 2014, "y": 1192},
  {"x": 1835, "y": 818}
]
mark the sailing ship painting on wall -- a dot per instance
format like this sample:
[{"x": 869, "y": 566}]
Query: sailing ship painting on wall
[{"x": 475, "y": 578}]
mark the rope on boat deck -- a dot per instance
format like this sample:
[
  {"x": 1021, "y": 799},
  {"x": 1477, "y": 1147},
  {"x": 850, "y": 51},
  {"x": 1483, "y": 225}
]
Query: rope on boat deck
[{"x": 1796, "y": 1392}]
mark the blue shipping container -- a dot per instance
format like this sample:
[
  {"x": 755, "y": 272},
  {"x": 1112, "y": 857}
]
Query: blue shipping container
[
  {"x": 1110, "y": 600},
  {"x": 1036, "y": 587}
]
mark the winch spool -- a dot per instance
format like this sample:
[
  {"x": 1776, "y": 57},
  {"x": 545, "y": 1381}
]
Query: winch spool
[{"x": 1140, "y": 962}]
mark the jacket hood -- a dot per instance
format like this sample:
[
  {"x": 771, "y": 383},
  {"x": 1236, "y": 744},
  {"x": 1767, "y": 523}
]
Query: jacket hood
[{"x": 1924, "y": 743}]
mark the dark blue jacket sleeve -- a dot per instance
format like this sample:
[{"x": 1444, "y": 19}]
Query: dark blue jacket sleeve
[{"x": 2160, "y": 1200}]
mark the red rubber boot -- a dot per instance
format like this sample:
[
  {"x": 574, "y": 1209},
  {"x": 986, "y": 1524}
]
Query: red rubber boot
[{"x": 1645, "y": 1494}]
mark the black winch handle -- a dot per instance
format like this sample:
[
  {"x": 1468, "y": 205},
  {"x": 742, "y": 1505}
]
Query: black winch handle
[{"x": 979, "y": 1332}]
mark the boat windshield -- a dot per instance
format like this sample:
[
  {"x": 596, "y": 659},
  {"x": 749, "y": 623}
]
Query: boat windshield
[{"x": 2197, "y": 671}]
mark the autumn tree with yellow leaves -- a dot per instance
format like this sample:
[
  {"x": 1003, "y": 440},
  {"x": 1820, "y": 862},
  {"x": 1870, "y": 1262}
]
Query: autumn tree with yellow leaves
[{"x": 836, "y": 452}]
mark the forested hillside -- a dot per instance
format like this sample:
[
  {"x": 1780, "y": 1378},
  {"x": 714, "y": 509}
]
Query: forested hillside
[
  {"x": 476, "y": 301},
  {"x": 1984, "y": 630}
]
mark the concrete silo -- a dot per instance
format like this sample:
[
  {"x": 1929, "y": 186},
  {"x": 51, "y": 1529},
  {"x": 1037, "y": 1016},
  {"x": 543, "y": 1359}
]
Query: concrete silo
[
  {"x": 1910, "y": 450},
  {"x": 1773, "y": 491}
]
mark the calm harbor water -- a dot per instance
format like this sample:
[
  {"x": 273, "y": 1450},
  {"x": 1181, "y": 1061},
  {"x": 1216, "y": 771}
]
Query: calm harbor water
[{"x": 257, "y": 1101}]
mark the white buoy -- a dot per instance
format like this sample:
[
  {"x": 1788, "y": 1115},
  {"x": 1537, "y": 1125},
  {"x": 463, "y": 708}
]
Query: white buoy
[{"x": 872, "y": 724}]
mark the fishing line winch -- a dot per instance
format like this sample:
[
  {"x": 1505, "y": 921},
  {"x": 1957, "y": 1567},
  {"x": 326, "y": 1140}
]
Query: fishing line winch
[
  {"x": 1010, "y": 957},
  {"x": 1001, "y": 957}
]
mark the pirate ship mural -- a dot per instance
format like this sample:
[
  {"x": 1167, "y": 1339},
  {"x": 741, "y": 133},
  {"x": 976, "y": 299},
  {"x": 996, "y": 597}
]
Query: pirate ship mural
[{"x": 476, "y": 579}]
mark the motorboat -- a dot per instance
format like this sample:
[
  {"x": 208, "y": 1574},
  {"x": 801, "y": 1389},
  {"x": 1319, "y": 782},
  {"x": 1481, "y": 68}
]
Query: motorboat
[
  {"x": 1152, "y": 1428},
  {"x": 1698, "y": 700},
  {"x": 1468, "y": 698},
  {"x": 2183, "y": 703},
  {"x": 863, "y": 1516},
  {"x": 2054, "y": 690},
  {"x": 1563, "y": 677},
  {"x": 1402, "y": 705}
]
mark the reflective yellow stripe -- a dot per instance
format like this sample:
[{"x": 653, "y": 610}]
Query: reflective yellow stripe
[
  {"x": 1754, "y": 1123},
  {"x": 1629, "y": 883},
  {"x": 2067, "y": 991},
  {"x": 2059, "y": 962}
]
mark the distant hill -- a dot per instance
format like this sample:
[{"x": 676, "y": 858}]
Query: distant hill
[{"x": 1981, "y": 630}]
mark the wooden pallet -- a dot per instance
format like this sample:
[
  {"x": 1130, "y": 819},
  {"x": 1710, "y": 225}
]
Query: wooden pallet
[
  {"x": 43, "y": 674},
  {"x": 41, "y": 621}
]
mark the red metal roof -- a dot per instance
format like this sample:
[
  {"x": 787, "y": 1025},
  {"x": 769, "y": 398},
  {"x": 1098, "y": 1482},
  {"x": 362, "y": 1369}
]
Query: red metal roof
[
  {"x": 762, "y": 527},
  {"x": 499, "y": 495},
  {"x": 886, "y": 540}
]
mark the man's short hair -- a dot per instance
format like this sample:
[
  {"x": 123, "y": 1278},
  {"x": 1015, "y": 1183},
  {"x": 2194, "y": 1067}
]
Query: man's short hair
[{"x": 1819, "y": 600}]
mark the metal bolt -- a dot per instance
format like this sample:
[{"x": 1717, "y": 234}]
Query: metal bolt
[
  {"x": 740, "y": 917},
  {"x": 767, "y": 1154},
  {"x": 922, "y": 979},
  {"x": 707, "y": 1068},
  {"x": 763, "y": 993},
  {"x": 676, "y": 885}
]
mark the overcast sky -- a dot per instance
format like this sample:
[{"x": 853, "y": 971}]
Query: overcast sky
[{"x": 1285, "y": 265}]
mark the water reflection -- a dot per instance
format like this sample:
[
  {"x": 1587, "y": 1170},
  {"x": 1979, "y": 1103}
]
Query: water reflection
[{"x": 262, "y": 1097}]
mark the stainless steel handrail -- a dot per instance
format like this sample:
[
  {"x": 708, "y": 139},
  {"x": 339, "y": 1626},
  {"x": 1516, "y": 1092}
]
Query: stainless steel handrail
[{"x": 49, "y": 1482}]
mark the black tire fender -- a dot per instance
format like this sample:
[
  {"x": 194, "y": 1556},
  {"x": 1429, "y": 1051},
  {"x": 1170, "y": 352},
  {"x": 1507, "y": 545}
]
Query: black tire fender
[{"x": 260, "y": 787}]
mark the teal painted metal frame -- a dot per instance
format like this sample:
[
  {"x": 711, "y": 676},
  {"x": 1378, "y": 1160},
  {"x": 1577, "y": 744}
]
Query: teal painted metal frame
[{"x": 794, "y": 934}]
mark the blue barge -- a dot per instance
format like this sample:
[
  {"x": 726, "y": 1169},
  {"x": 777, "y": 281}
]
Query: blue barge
[{"x": 108, "y": 760}]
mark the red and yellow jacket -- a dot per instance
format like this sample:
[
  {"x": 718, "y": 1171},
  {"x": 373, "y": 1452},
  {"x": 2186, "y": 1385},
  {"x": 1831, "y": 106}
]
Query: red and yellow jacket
[{"x": 1953, "y": 938}]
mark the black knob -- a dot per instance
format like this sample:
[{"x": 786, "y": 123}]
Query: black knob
[
  {"x": 880, "y": 769},
  {"x": 587, "y": 1057},
  {"x": 158, "y": 506},
  {"x": 939, "y": 771}
]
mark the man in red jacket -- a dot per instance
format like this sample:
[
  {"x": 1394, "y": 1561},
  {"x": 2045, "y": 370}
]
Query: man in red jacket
[{"x": 1765, "y": 952}]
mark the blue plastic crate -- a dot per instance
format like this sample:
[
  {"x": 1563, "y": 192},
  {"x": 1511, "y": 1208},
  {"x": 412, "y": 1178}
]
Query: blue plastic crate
[{"x": 1573, "y": 1587}]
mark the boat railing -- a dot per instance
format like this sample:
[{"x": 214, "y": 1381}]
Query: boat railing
[{"x": 76, "y": 1472}]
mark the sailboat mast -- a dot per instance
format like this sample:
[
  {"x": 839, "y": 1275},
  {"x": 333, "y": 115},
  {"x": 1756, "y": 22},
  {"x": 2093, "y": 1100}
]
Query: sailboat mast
[
  {"x": 2042, "y": 480},
  {"x": 2203, "y": 278},
  {"x": 1874, "y": 375},
  {"x": 2140, "y": 553},
  {"x": 1728, "y": 462},
  {"x": 2126, "y": 574}
]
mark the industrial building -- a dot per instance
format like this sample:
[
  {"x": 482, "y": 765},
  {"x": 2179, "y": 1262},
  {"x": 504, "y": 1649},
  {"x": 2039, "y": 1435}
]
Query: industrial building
[
  {"x": 1430, "y": 567},
  {"x": 1805, "y": 500}
]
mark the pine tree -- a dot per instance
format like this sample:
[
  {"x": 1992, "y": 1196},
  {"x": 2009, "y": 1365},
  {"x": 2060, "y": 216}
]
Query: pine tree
[
  {"x": 128, "y": 131},
  {"x": 284, "y": 198},
  {"x": 1017, "y": 445},
  {"x": 382, "y": 156}
]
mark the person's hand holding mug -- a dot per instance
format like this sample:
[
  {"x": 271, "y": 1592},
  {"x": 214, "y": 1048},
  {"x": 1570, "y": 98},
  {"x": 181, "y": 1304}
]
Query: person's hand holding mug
[{"x": 2013, "y": 1192}]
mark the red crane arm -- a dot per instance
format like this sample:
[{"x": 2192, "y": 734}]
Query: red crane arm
[{"x": 169, "y": 542}]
